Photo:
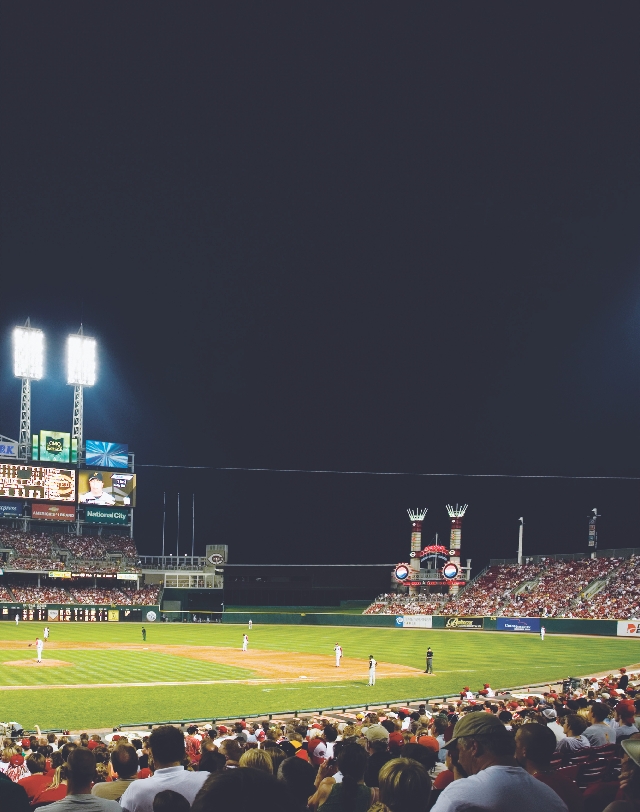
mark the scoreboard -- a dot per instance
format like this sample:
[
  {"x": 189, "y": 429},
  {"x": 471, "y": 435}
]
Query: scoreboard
[{"x": 35, "y": 482}]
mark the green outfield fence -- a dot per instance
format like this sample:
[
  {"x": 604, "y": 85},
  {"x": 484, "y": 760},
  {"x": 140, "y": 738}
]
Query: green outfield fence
[{"x": 605, "y": 628}]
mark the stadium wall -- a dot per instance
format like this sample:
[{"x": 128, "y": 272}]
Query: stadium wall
[{"x": 605, "y": 628}]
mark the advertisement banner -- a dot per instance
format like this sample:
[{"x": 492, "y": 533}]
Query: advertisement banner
[
  {"x": 518, "y": 624},
  {"x": 106, "y": 455},
  {"x": 34, "y": 482},
  {"x": 113, "y": 615},
  {"x": 414, "y": 621},
  {"x": 100, "y": 515},
  {"x": 53, "y": 513},
  {"x": 59, "y": 574},
  {"x": 629, "y": 628},
  {"x": 127, "y": 576},
  {"x": 102, "y": 488},
  {"x": 8, "y": 448},
  {"x": 464, "y": 623},
  {"x": 53, "y": 614},
  {"x": 11, "y": 509},
  {"x": 55, "y": 446}
]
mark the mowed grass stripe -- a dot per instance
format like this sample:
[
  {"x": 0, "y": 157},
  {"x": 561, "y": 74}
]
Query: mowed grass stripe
[{"x": 100, "y": 666}]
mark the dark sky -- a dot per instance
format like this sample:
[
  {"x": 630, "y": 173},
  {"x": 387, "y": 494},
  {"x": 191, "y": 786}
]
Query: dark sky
[{"x": 373, "y": 237}]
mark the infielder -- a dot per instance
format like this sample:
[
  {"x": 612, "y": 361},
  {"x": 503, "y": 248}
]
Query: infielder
[
  {"x": 338, "y": 650},
  {"x": 46, "y": 633},
  {"x": 372, "y": 670},
  {"x": 245, "y": 642},
  {"x": 39, "y": 647}
]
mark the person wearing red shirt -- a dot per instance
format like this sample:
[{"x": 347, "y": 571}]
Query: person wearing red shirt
[{"x": 35, "y": 783}]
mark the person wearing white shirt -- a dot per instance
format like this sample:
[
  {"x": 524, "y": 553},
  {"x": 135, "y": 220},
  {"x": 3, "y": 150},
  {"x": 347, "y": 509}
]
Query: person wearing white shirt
[{"x": 167, "y": 748}]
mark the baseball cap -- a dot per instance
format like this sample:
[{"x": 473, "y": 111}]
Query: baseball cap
[
  {"x": 626, "y": 707},
  {"x": 475, "y": 724},
  {"x": 396, "y": 738},
  {"x": 92, "y": 745},
  {"x": 16, "y": 760},
  {"x": 376, "y": 733},
  {"x": 96, "y": 475},
  {"x": 223, "y": 729},
  {"x": 429, "y": 742},
  {"x": 549, "y": 713},
  {"x": 26, "y": 742},
  {"x": 630, "y": 746}
]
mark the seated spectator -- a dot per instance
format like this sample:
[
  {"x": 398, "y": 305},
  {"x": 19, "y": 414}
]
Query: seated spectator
[
  {"x": 170, "y": 801},
  {"x": 124, "y": 761},
  {"x": 625, "y": 715},
  {"x": 211, "y": 761},
  {"x": 484, "y": 750},
  {"x": 232, "y": 751},
  {"x": 575, "y": 741},
  {"x": 168, "y": 751},
  {"x": 351, "y": 793},
  {"x": 598, "y": 732},
  {"x": 378, "y": 748},
  {"x": 17, "y": 768},
  {"x": 243, "y": 789},
  {"x": 12, "y": 796},
  {"x": 258, "y": 759},
  {"x": 35, "y": 783},
  {"x": 81, "y": 771},
  {"x": 298, "y": 776},
  {"x": 535, "y": 745},
  {"x": 405, "y": 786},
  {"x": 550, "y": 717}
]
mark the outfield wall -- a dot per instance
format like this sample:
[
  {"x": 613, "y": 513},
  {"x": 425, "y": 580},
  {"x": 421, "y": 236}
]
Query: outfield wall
[{"x": 605, "y": 628}]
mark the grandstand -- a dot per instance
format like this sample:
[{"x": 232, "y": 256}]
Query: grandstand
[{"x": 605, "y": 587}]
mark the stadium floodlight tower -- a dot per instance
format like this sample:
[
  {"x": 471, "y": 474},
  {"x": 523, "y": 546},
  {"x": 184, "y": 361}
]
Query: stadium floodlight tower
[
  {"x": 28, "y": 364},
  {"x": 81, "y": 372},
  {"x": 456, "y": 515},
  {"x": 417, "y": 517}
]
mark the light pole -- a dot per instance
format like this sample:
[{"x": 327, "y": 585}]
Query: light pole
[
  {"x": 28, "y": 364},
  {"x": 521, "y": 520},
  {"x": 81, "y": 372}
]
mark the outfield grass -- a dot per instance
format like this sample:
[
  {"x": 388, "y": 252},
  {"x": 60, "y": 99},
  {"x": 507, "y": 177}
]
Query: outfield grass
[{"x": 461, "y": 658}]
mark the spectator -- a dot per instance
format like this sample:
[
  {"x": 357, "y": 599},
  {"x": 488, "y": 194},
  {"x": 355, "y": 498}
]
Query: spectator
[
  {"x": 351, "y": 793},
  {"x": 12, "y": 796},
  {"x": 550, "y": 718},
  {"x": 405, "y": 786},
  {"x": 35, "y": 783},
  {"x": 598, "y": 732},
  {"x": 244, "y": 789},
  {"x": 625, "y": 715},
  {"x": 378, "y": 748},
  {"x": 258, "y": 759},
  {"x": 167, "y": 748},
  {"x": 124, "y": 761},
  {"x": 298, "y": 776},
  {"x": 575, "y": 741},
  {"x": 211, "y": 761},
  {"x": 484, "y": 750},
  {"x": 232, "y": 751},
  {"x": 535, "y": 745},
  {"x": 17, "y": 768},
  {"x": 81, "y": 773},
  {"x": 170, "y": 801}
]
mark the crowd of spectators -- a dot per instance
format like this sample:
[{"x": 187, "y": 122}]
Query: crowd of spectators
[
  {"x": 90, "y": 595},
  {"x": 575, "y": 749},
  {"x": 587, "y": 588}
]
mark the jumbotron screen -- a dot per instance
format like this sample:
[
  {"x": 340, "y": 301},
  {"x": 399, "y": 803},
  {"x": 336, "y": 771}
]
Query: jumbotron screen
[
  {"x": 34, "y": 482},
  {"x": 103, "y": 488}
]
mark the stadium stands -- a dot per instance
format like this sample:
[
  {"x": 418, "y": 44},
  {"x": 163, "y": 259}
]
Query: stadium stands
[
  {"x": 598, "y": 588},
  {"x": 591, "y": 775}
]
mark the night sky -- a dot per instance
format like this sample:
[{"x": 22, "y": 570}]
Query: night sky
[{"x": 373, "y": 237}]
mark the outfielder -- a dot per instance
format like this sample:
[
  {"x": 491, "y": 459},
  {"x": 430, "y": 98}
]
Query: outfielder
[
  {"x": 46, "y": 633},
  {"x": 372, "y": 670},
  {"x": 250, "y": 625},
  {"x": 338, "y": 650},
  {"x": 542, "y": 632},
  {"x": 245, "y": 642}
]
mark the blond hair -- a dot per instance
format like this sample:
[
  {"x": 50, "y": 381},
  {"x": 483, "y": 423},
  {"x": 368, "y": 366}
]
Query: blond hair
[
  {"x": 405, "y": 785},
  {"x": 258, "y": 759}
]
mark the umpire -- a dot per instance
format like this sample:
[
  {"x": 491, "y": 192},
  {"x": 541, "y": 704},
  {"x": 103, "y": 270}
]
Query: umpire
[{"x": 429, "y": 669}]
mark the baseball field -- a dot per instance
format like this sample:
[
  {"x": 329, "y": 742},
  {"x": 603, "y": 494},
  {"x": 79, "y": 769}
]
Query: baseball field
[{"x": 104, "y": 674}]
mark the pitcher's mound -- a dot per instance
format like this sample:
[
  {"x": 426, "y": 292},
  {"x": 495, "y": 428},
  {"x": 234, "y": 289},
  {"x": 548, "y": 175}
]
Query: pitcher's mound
[{"x": 36, "y": 664}]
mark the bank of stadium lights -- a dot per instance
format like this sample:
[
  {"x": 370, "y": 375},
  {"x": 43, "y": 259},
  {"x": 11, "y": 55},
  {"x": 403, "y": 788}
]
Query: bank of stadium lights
[
  {"x": 28, "y": 364},
  {"x": 81, "y": 372}
]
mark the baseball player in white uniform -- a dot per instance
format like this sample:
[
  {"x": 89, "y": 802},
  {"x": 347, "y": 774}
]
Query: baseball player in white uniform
[
  {"x": 17, "y": 618},
  {"x": 245, "y": 642},
  {"x": 46, "y": 633},
  {"x": 372, "y": 670},
  {"x": 338, "y": 650},
  {"x": 542, "y": 632},
  {"x": 250, "y": 625},
  {"x": 39, "y": 647}
]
